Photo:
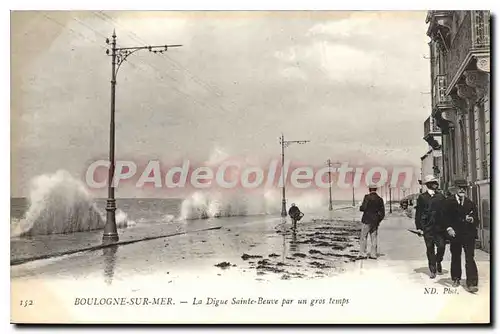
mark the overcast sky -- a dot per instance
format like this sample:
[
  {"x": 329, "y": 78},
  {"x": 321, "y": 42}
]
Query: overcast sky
[{"x": 353, "y": 83}]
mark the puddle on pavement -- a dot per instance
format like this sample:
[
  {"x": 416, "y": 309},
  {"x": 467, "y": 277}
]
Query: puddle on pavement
[{"x": 320, "y": 247}]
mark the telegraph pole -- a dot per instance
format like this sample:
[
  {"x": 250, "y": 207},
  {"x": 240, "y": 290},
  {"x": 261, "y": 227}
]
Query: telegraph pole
[
  {"x": 285, "y": 143},
  {"x": 329, "y": 164},
  {"x": 353, "y": 200},
  {"x": 118, "y": 56},
  {"x": 390, "y": 200}
]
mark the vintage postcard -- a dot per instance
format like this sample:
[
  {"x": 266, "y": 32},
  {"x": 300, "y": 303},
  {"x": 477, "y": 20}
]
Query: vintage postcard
[{"x": 250, "y": 167}]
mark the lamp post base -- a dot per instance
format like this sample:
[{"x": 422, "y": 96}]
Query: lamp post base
[
  {"x": 110, "y": 234},
  {"x": 110, "y": 238},
  {"x": 283, "y": 209}
]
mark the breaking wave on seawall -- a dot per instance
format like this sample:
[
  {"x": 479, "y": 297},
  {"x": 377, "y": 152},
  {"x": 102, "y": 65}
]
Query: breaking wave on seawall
[
  {"x": 204, "y": 205},
  {"x": 215, "y": 204},
  {"x": 59, "y": 204}
]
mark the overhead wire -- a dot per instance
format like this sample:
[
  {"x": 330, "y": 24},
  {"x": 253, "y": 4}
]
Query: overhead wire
[
  {"x": 215, "y": 90},
  {"x": 209, "y": 87},
  {"x": 157, "y": 72}
]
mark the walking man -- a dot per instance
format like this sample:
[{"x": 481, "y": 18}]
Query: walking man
[
  {"x": 373, "y": 213},
  {"x": 429, "y": 223},
  {"x": 461, "y": 223},
  {"x": 295, "y": 214}
]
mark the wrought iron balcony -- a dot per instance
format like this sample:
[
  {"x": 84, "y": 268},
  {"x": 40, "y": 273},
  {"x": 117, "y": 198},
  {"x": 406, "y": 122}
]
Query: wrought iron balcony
[
  {"x": 473, "y": 34},
  {"x": 439, "y": 97},
  {"x": 484, "y": 168},
  {"x": 431, "y": 130},
  {"x": 430, "y": 127}
]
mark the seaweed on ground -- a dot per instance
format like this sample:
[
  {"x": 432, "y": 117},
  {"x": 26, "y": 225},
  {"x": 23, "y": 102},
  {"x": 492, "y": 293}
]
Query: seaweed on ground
[
  {"x": 223, "y": 265},
  {"x": 246, "y": 256},
  {"x": 319, "y": 265}
]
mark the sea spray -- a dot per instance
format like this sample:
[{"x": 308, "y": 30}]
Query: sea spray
[
  {"x": 213, "y": 204},
  {"x": 309, "y": 201},
  {"x": 208, "y": 204},
  {"x": 59, "y": 203},
  {"x": 121, "y": 219},
  {"x": 168, "y": 218},
  {"x": 272, "y": 201}
]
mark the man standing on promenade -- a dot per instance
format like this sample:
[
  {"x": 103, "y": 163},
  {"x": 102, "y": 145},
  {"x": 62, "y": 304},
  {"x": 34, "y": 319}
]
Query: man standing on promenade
[
  {"x": 429, "y": 223},
  {"x": 461, "y": 222},
  {"x": 373, "y": 213}
]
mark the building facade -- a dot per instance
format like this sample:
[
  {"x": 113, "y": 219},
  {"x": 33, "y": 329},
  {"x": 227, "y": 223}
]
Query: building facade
[
  {"x": 431, "y": 161},
  {"x": 460, "y": 81}
]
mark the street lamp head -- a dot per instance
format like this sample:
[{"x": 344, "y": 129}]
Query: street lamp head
[{"x": 107, "y": 41}]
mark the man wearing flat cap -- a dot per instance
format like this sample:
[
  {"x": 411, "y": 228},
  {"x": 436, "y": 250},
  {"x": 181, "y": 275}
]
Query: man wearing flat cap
[
  {"x": 373, "y": 213},
  {"x": 461, "y": 224},
  {"x": 429, "y": 222}
]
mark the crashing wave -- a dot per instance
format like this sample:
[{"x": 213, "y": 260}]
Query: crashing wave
[{"x": 59, "y": 203}]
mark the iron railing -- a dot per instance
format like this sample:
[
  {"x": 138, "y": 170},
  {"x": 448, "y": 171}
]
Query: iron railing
[
  {"x": 473, "y": 33},
  {"x": 439, "y": 87},
  {"x": 430, "y": 126}
]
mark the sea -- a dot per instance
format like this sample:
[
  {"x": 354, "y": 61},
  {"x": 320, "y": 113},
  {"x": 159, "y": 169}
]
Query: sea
[
  {"x": 60, "y": 204},
  {"x": 147, "y": 210},
  {"x": 140, "y": 210}
]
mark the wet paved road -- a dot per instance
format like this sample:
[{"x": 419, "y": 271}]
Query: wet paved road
[
  {"x": 200, "y": 251},
  {"x": 390, "y": 289}
]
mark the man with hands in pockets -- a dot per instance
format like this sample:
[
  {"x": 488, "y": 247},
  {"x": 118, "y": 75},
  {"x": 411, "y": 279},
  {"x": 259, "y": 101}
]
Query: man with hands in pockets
[{"x": 461, "y": 221}]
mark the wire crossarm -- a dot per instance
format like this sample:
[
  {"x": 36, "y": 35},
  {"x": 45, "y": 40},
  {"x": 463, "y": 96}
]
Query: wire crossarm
[
  {"x": 287, "y": 143},
  {"x": 121, "y": 54}
]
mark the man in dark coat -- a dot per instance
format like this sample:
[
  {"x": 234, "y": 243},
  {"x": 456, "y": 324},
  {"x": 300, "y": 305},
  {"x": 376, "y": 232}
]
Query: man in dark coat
[
  {"x": 373, "y": 213},
  {"x": 461, "y": 223},
  {"x": 295, "y": 215},
  {"x": 429, "y": 223}
]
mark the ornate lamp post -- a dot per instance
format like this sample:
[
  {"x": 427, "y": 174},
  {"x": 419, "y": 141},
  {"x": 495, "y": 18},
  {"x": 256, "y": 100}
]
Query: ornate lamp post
[{"x": 118, "y": 56}]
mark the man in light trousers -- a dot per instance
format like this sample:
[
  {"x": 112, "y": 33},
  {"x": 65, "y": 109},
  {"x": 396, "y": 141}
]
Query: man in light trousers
[{"x": 373, "y": 213}]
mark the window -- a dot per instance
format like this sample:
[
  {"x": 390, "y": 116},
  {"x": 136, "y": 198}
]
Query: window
[
  {"x": 460, "y": 16},
  {"x": 454, "y": 24},
  {"x": 454, "y": 162},
  {"x": 482, "y": 141},
  {"x": 472, "y": 141},
  {"x": 441, "y": 60},
  {"x": 463, "y": 139}
]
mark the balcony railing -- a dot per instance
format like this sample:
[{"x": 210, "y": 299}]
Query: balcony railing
[
  {"x": 472, "y": 34},
  {"x": 484, "y": 169},
  {"x": 439, "y": 96},
  {"x": 434, "y": 126},
  {"x": 481, "y": 29},
  {"x": 427, "y": 126},
  {"x": 430, "y": 127}
]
